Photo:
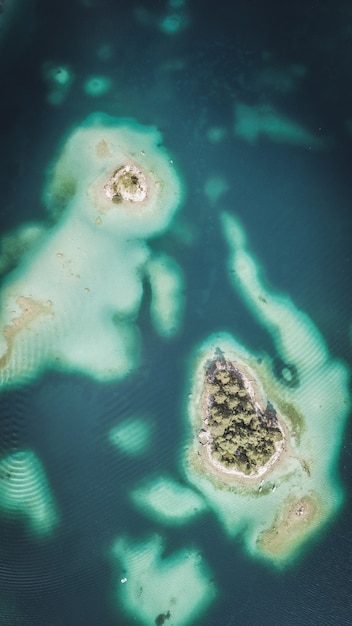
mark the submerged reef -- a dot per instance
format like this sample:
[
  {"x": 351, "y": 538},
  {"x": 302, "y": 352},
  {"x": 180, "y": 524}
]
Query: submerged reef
[
  {"x": 265, "y": 432},
  {"x": 240, "y": 435}
]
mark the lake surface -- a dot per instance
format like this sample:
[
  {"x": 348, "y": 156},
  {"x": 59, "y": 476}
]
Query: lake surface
[{"x": 184, "y": 68}]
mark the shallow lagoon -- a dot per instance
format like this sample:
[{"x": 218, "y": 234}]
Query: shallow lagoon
[{"x": 253, "y": 135}]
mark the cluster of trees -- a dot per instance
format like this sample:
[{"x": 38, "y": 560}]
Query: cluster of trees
[{"x": 241, "y": 436}]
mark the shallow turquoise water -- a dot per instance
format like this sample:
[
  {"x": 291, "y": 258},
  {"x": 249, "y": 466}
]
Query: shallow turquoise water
[{"x": 295, "y": 206}]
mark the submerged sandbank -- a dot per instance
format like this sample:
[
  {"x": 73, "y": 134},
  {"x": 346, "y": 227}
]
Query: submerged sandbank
[{"x": 73, "y": 300}]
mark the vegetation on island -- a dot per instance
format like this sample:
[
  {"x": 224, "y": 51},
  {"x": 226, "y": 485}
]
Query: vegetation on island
[{"x": 240, "y": 435}]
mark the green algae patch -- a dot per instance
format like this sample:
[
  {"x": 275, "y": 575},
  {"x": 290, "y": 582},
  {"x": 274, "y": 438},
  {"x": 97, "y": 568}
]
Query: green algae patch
[
  {"x": 132, "y": 436},
  {"x": 25, "y": 493},
  {"x": 73, "y": 301},
  {"x": 154, "y": 589},
  {"x": 167, "y": 501},
  {"x": 276, "y": 502}
]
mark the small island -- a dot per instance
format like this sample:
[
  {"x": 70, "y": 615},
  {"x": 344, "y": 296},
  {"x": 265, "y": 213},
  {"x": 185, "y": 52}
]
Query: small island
[
  {"x": 239, "y": 435},
  {"x": 128, "y": 183}
]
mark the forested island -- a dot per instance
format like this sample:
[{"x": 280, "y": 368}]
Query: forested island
[{"x": 238, "y": 433}]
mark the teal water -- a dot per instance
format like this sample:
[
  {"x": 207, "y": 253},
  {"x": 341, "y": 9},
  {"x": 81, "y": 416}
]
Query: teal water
[{"x": 294, "y": 203}]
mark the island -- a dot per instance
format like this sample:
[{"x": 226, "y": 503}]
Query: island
[
  {"x": 264, "y": 429},
  {"x": 129, "y": 183},
  {"x": 239, "y": 435}
]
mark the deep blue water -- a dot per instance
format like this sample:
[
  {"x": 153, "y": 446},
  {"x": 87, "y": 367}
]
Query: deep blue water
[{"x": 295, "y": 205}]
